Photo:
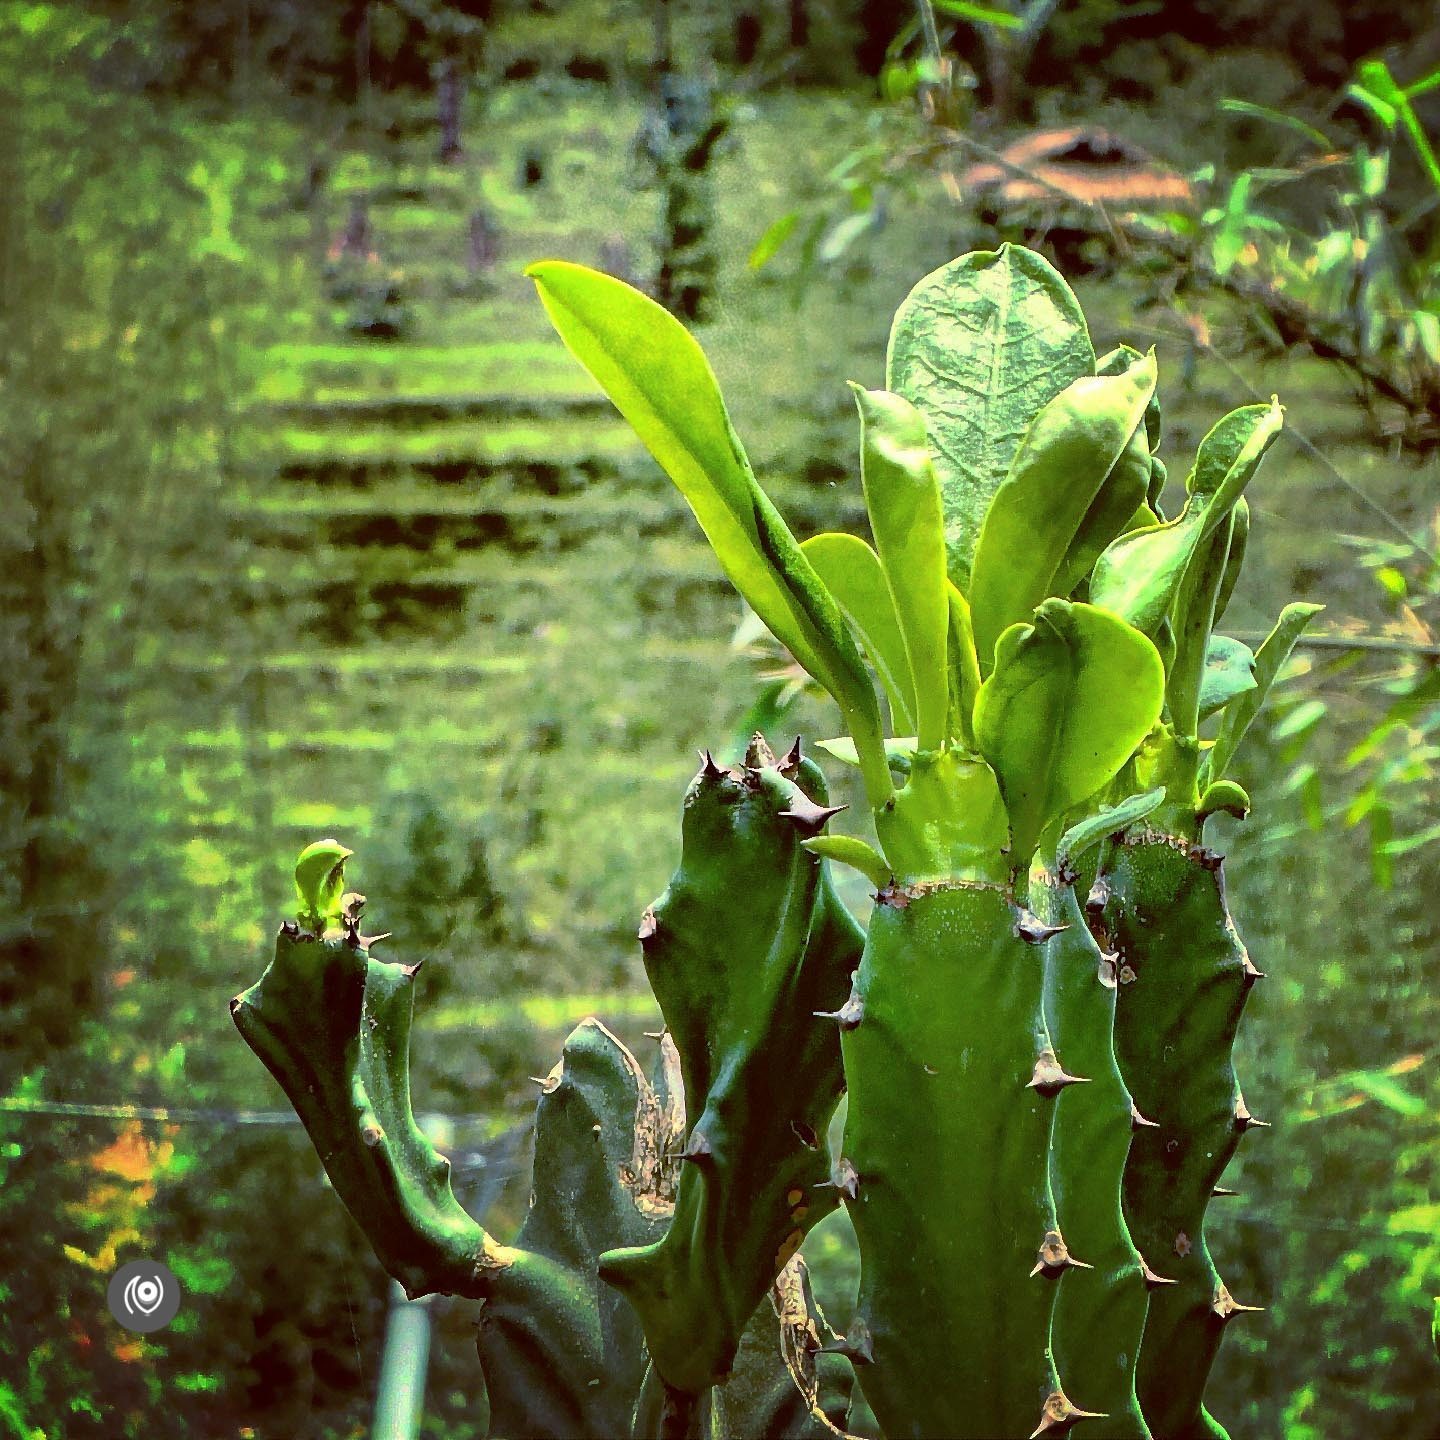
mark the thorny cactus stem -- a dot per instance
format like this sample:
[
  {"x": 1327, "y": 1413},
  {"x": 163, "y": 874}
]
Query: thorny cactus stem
[
  {"x": 332, "y": 1024},
  {"x": 746, "y": 945},
  {"x": 1183, "y": 976}
]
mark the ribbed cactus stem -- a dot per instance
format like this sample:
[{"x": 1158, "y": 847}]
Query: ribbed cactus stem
[
  {"x": 1183, "y": 976},
  {"x": 1100, "y": 1312},
  {"x": 332, "y": 1023},
  {"x": 951, "y": 1104},
  {"x": 745, "y": 948}
]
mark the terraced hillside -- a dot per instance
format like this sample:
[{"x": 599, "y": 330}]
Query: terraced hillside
[{"x": 462, "y": 584}]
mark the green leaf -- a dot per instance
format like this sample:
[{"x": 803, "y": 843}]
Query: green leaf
[
  {"x": 1137, "y": 576},
  {"x": 1108, "y": 820},
  {"x": 852, "y": 573},
  {"x": 776, "y": 234},
  {"x": 852, "y": 851},
  {"x": 1382, "y": 1088},
  {"x": 1244, "y": 708},
  {"x": 899, "y": 751},
  {"x": 979, "y": 347},
  {"x": 902, "y": 496},
  {"x": 964, "y": 668},
  {"x": 657, "y": 376},
  {"x": 1276, "y": 117},
  {"x": 979, "y": 14},
  {"x": 1229, "y": 671},
  {"x": 1235, "y": 558},
  {"x": 1192, "y": 614},
  {"x": 320, "y": 882},
  {"x": 1223, "y": 795},
  {"x": 1071, "y": 697},
  {"x": 1058, "y": 473}
]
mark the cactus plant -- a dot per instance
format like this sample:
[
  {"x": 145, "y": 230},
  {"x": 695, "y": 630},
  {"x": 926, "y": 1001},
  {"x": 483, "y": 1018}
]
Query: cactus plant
[{"x": 1041, "y": 1096}]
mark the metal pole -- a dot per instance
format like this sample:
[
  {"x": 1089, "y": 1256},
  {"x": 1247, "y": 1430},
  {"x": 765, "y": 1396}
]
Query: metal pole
[{"x": 400, "y": 1397}]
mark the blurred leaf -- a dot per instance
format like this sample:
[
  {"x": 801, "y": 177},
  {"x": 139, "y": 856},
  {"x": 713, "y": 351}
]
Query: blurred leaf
[{"x": 776, "y": 234}]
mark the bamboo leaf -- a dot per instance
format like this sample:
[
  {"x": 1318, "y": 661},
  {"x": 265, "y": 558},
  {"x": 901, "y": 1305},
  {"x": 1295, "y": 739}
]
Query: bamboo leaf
[
  {"x": 902, "y": 496},
  {"x": 979, "y": 347},
  {"x": 1059, "y": 471},
  {"x": 1071, "y": 697}
]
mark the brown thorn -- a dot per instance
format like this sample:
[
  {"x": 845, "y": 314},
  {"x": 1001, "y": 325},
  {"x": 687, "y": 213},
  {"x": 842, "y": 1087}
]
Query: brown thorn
[
  {"x": 809, "y": 818},
  {"x": 849, "y": 1015},
  {"x": 1139, "y": 1122},
  {"x": 1153, "y": 1281},
  {"x": 697, "y": 1149},
  {"x": 894, "y": 896},
  {"x": 654, "y": 1034},
  {"x": 791, "y": 759},
  {"x": 1059, "y": 1417},
  {"x": 1054, "y": 1257},
  {"x": 1050, "y": 1077},
  {"x": 1221, "y": 1191},
  {"x": 1033, "y": 931},
  {"x": 709, "y": 770},
  {"x": 1244, "y": 1120},
  {"x": 846, "y": 1179},
  {"x": 855, "y": 1344},
  {"x": 409, "y": 971},
  {"x": 1225, "y": 1307},
  {"x": 758, "y": 755},
  {"x": 1097, "y": 899}
]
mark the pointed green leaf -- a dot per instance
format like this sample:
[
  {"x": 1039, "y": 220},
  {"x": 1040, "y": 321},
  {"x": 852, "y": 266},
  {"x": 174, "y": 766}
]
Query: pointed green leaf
[
  {"x": 1057, "y": 474},
  {"x": 1192, "y": 613},
  {"x": 902, "y": 496},
  {"x": 899, "y": 752},
  {"x": 1118, "y": 508},
  {"x": 964, "y": 668},
  {"x": 978, "y": 347},
  {"x": 1239, "y": 539},
  {"x": 1108, "y": 820},
  {"x": 657, "y": 376},
  {"x": 1229, "y": 671},
  {"x": 852, "y": 573},
  {"x": 1137, "y": 576},
  {"x": 1071, "y": 697},
  {"x": 852, "y": 851},
  {"x": 1244, "y": 708}
]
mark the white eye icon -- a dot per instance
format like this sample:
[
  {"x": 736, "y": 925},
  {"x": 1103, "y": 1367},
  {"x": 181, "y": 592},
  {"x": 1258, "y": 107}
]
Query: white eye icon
[{"x": 144, "y": 1294}]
